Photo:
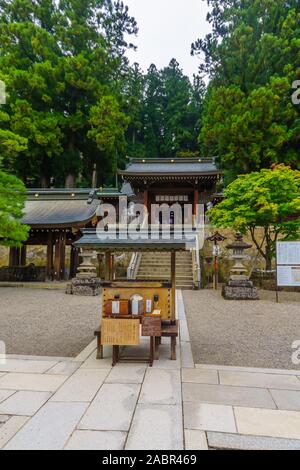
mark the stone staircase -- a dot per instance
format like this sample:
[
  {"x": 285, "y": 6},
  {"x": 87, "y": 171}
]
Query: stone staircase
[{"x": 157, "y": 266}]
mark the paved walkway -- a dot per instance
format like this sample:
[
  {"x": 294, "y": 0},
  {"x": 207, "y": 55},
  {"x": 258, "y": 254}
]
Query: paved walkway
[{"x": 82, "y": 403}]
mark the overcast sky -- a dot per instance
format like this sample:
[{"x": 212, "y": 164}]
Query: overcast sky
[{"x": 167, "y": 29}]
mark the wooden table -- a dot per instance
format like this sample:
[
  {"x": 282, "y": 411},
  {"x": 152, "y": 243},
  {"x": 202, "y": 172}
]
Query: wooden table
[{"x": 167, "y": 330}]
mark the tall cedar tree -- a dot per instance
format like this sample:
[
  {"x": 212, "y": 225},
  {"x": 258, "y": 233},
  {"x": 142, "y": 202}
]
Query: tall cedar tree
[
  {"x": 252, "y": 57},
  {"x": 61, "y": 62},
  {"x": 165, "y": 110}
]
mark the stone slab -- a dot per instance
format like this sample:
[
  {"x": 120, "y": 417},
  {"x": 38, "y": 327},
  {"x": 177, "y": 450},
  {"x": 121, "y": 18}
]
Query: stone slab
[
  {"x": 200, "y": 376},
  {"x": 223, "y": 441},
  {"x": 4, "y": 418},
  {"x": 33, "y": 382},
  {"x": 39, "y": 358},
  {"x": 270, "y": 423},
  {"x": 164, "y": 361},
  {"x": 97, "y": 440},
  {"x": 24, "y": 403},
  {"x": 64, "y": 368},
  {"x": 195, "y": 440},
  {"x": 226, "y": 395},
  {"x": 126, "y": 374},
  {"x": 206, "y": 417},
  {"x": 10, "y": 428},
  {"x": 184, "y": 331},
  {"x": 161, "y": 387},
  {"x": 18, "y": 365},
  {"x": 86, "y": 352},
  {"x": 112, "y": 408},
  {"x": 4, "y": 394},
  {"x": 246, "y": 379},
  {"x": 286, "y": 399},
  {"x": 50, "y": 428},
  {"x": 247, "y": 369},
  {"x": 156, "y": 427},
  {"x": 187, "y": 359},
  {"x": 82, "y": 386},
  {"x": 93, "y": 363}
]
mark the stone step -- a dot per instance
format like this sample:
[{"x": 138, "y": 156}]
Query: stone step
[
  {"x": 167, "y": 265},
  {"x": 165, "y": 271},
  {"x": 162, "y": 276},
  {"x": 158, "y": 266}
]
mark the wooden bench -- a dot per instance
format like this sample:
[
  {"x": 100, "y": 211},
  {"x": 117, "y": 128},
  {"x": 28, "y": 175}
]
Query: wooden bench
[{"x": 167, "y": 331}]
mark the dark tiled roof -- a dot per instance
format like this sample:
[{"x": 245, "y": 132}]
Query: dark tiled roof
[
  {"x": 64, "y": 207},
  {"x": 59, "y": 213},
  {"x": 171, "y": 167},
  {"x": 56, "y": 208},
  {"x": 90, "y": 239}
]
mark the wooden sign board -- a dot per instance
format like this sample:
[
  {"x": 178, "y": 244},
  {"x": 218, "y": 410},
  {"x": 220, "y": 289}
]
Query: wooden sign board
[
  {"x": 151, "y": 326},
  {"x": 118, "y": 332},
  {"x": 288, "y": 264}
]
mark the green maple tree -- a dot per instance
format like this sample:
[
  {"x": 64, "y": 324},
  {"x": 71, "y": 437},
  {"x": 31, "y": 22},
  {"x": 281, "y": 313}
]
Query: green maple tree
[{"x": 268, "y": 200}]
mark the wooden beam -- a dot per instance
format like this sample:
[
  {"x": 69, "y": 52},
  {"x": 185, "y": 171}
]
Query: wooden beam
[
  {"x": 146, "y": 202},
  {"x": 14, "y": 257},
  {"x": 74, "y": 261},
  {"x": 173, "y": 282},
  {"x": 11, "y": 262},
  {"x": 107, "y": 265},
  {"x": 59, "y": 257},
  {"x": 23, "y": 255},
  {"x": 49, "y": 265},
  {"x": 196, "y": 206}
]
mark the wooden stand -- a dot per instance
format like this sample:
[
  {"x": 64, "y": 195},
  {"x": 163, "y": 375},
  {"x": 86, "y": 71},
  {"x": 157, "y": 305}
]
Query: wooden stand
[{"x": 167, "y": 331}]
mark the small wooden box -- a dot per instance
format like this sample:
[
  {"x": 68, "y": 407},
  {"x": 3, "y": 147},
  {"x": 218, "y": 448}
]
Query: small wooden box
[
  {"x": 111, "y": 307},
  {"x": 151, "y": 326}
]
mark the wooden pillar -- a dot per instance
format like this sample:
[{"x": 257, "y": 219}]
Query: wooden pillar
[
  {"x": 146, "y": 202},
  {"x": 23, "y": 255},
  {"x": 107, "y": 266},
  {"x": 173, "y": 282},
  {"x": 14, "y": 257},
  {"x": 112, "y": 266},
  {"x": 49, "y": 266},
  {"x": 11, "y": 262},
  {"x": 18, "y": 256},
  {"x": 59, "y": 257},
  {"x": 74, "y": 261},
  {"x": 63, "y": 255},
  {"x": 195, "y": 205}
]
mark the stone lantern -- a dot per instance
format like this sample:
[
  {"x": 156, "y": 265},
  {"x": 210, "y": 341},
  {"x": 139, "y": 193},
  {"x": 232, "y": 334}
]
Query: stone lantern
[
  {"x": 86, "y": 282},
  {"x": 239, "y": 287}
]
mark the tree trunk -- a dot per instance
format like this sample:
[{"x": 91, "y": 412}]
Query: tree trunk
[
  {"x": 268, "y": 258},
  {"x": 45, "y": 182},
  {"x": 70, "y": 181}
]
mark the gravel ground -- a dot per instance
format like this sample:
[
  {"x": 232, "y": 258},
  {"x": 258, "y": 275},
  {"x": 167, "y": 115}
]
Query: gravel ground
[
  {"x": 245, "y": 334},
  {"x": 47, "y": 322}
]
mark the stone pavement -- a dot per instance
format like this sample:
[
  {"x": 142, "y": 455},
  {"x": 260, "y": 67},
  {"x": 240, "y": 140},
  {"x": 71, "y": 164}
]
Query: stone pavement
[{"x": 82, "y": 403}]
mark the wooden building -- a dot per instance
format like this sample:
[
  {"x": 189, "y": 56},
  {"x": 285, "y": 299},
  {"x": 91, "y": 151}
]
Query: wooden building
[
  {"x": 169, "y": 181},
  {"x": 56, "y": 218}
]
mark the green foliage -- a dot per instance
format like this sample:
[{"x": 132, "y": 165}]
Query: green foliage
[
  {"x": 108, "y": 128},
  {"x": 252, "y": 57},
  {"x": 165, "y": 110},
  {"x": 12, "y": 199},
  {"x": 269, "y": 199},
  {"x": 59, "y": 60}
]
